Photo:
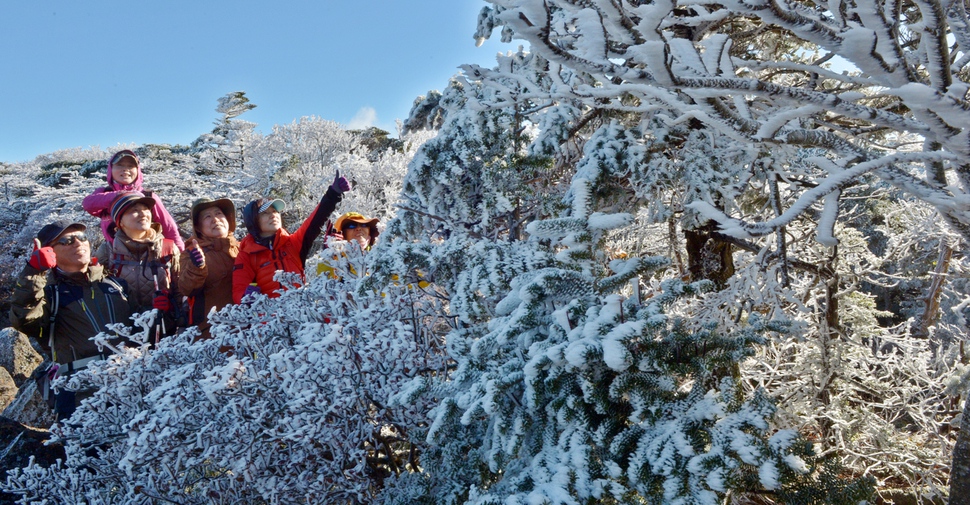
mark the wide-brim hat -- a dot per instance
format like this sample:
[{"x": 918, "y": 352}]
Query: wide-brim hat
[
  {"x": 49, "y": 233},
  {"x": 125, "y": 200},
  {"x": 356, "y": 217},
  {"x": 224, "y": 204}
]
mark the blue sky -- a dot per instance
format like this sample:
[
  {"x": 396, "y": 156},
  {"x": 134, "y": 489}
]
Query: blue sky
[{"x": 80, "y": 74}]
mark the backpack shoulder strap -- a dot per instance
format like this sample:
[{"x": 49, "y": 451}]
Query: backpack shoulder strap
[
  {"x": 53, "y": 295},
  {"x": 118, "y": 284}
]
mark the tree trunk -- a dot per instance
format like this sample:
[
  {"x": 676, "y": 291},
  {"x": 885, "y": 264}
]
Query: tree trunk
[
  {"x": 931, "y": 311},
  {"x": 708, "y": 257},
  {"x": 829, "y": 335}
]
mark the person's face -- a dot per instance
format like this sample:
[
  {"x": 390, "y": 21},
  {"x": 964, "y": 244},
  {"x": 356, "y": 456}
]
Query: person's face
[
  {"x": 269, "y": 222},
  {"x": 358, "y": 232},
  {"x": 124, "y": 171},
  {"x": 136, "y": 221},
  {"x": 213, "y": 223},
  {"x": 72, "y": 251}
]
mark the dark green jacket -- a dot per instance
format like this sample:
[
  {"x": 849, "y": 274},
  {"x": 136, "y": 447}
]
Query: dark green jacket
[{"x": 87, "y": 303}]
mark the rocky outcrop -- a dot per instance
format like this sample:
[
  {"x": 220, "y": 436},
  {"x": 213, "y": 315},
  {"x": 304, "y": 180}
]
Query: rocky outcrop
[
  {"x": 29, "y": 407},
  {"x": 20, "y": 400},
  {"x": 8, "y": 388},
  {"x": 25, "y": 415},
  {"x": 18, "y": 355}
]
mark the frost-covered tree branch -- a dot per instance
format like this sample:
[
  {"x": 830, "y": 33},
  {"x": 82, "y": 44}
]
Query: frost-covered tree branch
[{"x": 724, "y": 64}]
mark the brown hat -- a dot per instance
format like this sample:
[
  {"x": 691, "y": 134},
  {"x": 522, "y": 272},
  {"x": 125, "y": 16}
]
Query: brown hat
[{"x": 224, "y": 204}]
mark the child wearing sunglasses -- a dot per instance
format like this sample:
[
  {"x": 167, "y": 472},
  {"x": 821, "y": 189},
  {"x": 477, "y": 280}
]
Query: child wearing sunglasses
[{"x": 125, "y": 174}]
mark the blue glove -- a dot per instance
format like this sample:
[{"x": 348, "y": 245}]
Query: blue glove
[
  {"x": 340, "y": 184},
  {"x": 251, "y": 289}
]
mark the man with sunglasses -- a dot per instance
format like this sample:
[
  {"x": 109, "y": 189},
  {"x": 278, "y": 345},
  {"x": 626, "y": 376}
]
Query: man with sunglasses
[{"x": 62, "y": 299}]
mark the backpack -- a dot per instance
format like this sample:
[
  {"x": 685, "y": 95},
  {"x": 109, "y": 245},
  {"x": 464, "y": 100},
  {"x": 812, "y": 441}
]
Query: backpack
[
  {"x": 60, "y": 294},
  {"x": 192, "y": 310},
  {"x": 168, "y": 251}
]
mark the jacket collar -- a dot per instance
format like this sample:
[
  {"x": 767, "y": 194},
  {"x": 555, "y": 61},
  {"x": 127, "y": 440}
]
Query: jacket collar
[
  {"x": 94, "y": 273},
  {"x": 218, "y": 244},
  {"x": 250, "y": 245}
]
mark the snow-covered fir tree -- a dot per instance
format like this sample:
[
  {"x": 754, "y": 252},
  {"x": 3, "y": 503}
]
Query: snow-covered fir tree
[
  {"x": 566, "y": 379},
  {"x": 751, "y": 142}
]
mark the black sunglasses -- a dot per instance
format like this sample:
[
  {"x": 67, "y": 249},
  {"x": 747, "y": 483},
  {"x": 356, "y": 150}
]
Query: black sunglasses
[
  {"x": 354, "y": 226},
  {"x": 71, "y": 239}
]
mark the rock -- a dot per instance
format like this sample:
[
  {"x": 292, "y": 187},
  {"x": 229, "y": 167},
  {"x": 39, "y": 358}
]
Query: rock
[
  {"x": 29, "y": 407},
  {"x": 18, "y": 355},
  {"x": 8, "y": 389},
  {"x": 19, "y": 359}
]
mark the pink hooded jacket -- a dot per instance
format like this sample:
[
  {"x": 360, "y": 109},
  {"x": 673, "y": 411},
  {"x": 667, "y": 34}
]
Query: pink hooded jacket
[{"x": 98, "y": 204}]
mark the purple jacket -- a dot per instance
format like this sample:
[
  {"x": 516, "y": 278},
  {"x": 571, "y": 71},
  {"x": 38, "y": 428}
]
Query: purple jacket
[{"x": 98, "y": 204}]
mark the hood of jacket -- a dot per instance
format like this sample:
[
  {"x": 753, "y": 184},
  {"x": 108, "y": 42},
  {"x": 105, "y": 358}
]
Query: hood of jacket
[
  {"x": 139, "y": 249},
  {"x": 250, "y": 215},
  {"x": 134, "y": 186},
  {"x": 228, "y": 245}
]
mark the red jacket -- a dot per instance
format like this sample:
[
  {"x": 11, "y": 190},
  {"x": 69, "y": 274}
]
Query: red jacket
[{"x": 258, "y": 263}]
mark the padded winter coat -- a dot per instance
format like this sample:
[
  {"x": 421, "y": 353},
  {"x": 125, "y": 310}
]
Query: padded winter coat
[
  {"x": 98, "y": 204},
  {"x": 259, "y": 263},
  {"x": 139, "y": 263},
  {"x": 210, "y": 286},
  {"x": 86, "y": 303}
]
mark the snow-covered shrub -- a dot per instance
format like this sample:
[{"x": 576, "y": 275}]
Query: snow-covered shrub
[{"x": 287, "y": 403}]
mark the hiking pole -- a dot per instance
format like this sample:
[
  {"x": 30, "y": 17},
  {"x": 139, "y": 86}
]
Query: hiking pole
[
  {"x": 158, "y": 328},
  {"x": 161, "y": 317}
]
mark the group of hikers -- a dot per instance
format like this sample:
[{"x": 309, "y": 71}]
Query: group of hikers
[{"x": 65, "y": 296}]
